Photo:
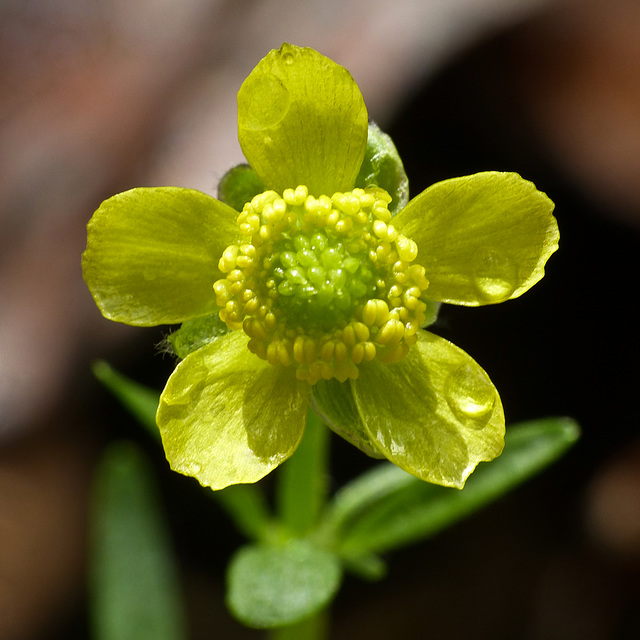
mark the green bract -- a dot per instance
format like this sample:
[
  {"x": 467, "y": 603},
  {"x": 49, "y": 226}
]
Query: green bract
[{"x": 324, "y": 282}]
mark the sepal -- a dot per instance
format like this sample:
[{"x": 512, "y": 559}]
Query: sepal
[
  {"x": 334, "y": 404},
  {"x": 239, "y": 185},
  {"x": 383, "y": 167},
  {"x": 196, "y": 333}
]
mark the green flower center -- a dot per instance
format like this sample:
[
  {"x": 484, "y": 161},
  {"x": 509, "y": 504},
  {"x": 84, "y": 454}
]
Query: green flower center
[{"x": 322, "y": 284}]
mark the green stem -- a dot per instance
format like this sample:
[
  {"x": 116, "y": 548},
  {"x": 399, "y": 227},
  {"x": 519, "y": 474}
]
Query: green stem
[
  {"x": 303, "y": 480},
  {"x": 301, "y": 494},
  {"x": 314, "y": 628}
]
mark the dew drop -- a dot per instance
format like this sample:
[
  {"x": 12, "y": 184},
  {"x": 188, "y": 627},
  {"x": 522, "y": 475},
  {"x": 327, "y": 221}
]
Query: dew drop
[
  {"x": 193, "y": 468},
  {"x": 470, "y": 395},
  {"x": 180, "y": 394},
  {"x": 495, "y": 276},
  {"x": 287, "y": 58},
  {"x": 263, "y": 101}
]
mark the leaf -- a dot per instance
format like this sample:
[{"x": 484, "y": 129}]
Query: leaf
[
  {"x": 135, "y": 591},
  {"x": 275, "y": 586},
  {"x": 387, "y": 508},
  {"x": 140, "y": 401}
]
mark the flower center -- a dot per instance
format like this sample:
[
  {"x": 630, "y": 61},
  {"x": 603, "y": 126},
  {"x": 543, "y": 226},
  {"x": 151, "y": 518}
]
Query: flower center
[{"x": 322, "y": 284}]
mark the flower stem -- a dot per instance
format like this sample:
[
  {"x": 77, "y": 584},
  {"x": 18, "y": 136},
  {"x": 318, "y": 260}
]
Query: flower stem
[
  {"x": 314, "y": 628},
  {"x": 301, "y": 494},
  {"x": 302, "y": 480}
]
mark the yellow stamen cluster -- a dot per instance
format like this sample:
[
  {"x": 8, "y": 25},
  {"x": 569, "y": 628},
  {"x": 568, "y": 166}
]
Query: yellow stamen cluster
[{"x": 323, "y": 284}]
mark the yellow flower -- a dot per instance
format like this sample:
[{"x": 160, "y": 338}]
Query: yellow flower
[{"x": 325, "y": 281}]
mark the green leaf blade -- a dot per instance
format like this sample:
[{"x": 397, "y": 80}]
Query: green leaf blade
[
  {"x": 140, "y": 401},
  {"x": 387, "y": 508},
  {"x": 135, "y": 592},
  {"x": 275, "y": 586}
]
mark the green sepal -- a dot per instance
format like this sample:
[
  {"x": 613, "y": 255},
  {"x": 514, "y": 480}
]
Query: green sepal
[
  {"x": 386, "y": 508},
  {"x": 269, "y": 586},
  {"x": 196, "y": 333},
  {"x": 135, "y": 592},
  {"x": 431, "y": 312},
  {"x": 333, "y": 402},
  {"x": 383, "y": 167},
  {"x": 239, "y": 185}
]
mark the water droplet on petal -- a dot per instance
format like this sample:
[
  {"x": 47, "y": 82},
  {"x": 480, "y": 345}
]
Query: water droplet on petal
[
  {"x": 287, "y": 58},
  {"x": 495, "y": 276},
  {"x": 470, "y": 395},
  {"x": 180, "y": 394},
  {"x": 193, "y": 468},
  {"x": 271, "y": 107}
]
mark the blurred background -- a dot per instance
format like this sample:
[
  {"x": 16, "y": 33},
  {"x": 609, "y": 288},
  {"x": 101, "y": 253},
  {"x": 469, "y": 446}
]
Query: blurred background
[{"x": 98, "y": 96}]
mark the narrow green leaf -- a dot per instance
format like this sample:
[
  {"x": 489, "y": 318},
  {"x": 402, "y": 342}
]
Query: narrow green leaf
[
  {"x": 387, "y": 508},
  {"x": 275, "y": 586},
  {"x": 135, "y": 591},
  {"x": 140, "y": 401},
  {"x": 368, "y": 567}
]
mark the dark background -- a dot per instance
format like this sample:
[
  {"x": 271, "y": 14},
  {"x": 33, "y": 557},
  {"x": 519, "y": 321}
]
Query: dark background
[{"x": 553, "y": 95}]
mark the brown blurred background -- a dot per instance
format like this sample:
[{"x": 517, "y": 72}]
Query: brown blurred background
[{"x": 97, "y": 96}]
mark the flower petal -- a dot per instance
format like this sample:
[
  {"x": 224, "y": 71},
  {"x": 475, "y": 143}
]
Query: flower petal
[
  {"x": 435, "y": 413},
  {"x": 333, "y": 403},
  {"x": 483, "y": 238},
  {"x": 227, "y": 417},
  {"x": 302, "y": 120},
  {"x": 152, "y": 254}
]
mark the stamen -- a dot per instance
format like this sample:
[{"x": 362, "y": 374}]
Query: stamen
[{"x": 322, "y": 284}]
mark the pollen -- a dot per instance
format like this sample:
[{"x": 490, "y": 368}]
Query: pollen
[{"x": 322, "y": 284}]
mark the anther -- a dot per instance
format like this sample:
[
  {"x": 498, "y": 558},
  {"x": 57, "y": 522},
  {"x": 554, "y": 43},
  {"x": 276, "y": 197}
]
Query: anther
[{"x": 322, "y": 284}]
